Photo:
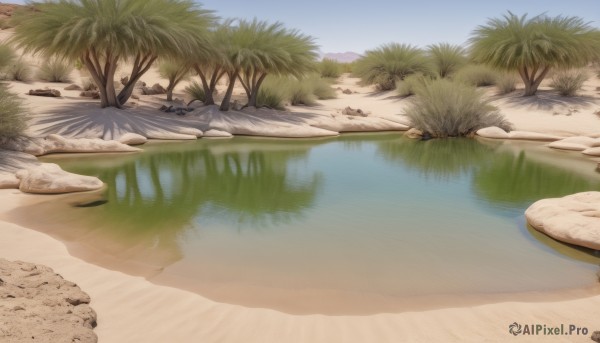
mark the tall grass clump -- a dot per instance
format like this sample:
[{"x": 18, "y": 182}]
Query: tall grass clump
[
  {"x": 330, "y": 68},
  {"x": 320, "y": 87},
  {"x": 390, "y": 63},
  {"x": 445, "y": 108},
  {"x": 477, "y": 75},
  {"x": 19, "y": 70},
  {"x": 271, "y": 97},
  {"x": 568, "y": 82},
  {"x": 13, "y": 119},
  {"x": 195, "y": 91},
  {"x": 506, "y": 83},
  {"x": 409, "y": 85},
  {"x": 446, "y": 59},
  {"x": 7, "y": 55},
  {"x": 55, "y": 70}
]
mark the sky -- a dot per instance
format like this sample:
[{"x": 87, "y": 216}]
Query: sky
[{"x": 352, "y": 25}]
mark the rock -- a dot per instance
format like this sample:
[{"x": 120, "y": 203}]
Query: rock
[
  {"x": 167, "y": 135},
  {"x": 191, "y": 131},
  {"x": 125, "y": 80},
  {"x": 49, "y": 178},
  {"x": 55, "y": 143},
  {"x": 8, "y": 181},
  {"x": 577, "y": 143},
  {"x": 217, "y": 134},
  {"x": 347, "y": 91},
  {"x": 414, "y": 133},
  {"x": 596, "y": 335},
  {"x": 45, "y": 92},
  {"x": 492, "y": 132},
  {"x": 592, "y": 151},
  {"x": 73, "y": 87},
  {"x": 132, "y": 139},
  {"x": 532, "y": 136},
  {"x": 236, "y": 106},
  {"x": 140, "y": 84},
  {"x": 39, "y": 305},
  {"x": 134, "y": 96},
  {"x": 574, "y": 219},
  {"x": 155, "y": 89},
  {"x": 349, "y": 111},
  {"x": 90, "y": 94}
]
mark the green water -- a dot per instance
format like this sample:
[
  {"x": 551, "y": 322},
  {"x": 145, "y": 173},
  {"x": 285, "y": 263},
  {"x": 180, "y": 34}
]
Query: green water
[{"x": 364, "y": 219}]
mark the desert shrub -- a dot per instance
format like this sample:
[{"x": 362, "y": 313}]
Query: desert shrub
[
  {"x": 5, "y": 24},
  {"x": 13, "y": 118},
  {"x": 330, "y": 68},
  {"x": 55, "y": 70},
  {"x": 409, "y": 85},
  {"x": 477, "y": 75},
  {"x": 568, "y": 82},
  {"x": 195, "y": 91},
  {"x": 445, "y": 108},
  {"x": 390, "y": 63},
  {"x": 292, "y": 90},
  {"x": 19, "y": 70},
  {"x": 446, "y": 58},
  {"x": 506, "y": 83},
  {"x": 321, "y": 88},
  {"x": 271, "y": 97}
]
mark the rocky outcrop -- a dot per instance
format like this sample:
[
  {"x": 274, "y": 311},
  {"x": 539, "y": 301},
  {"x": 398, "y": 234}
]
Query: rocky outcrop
[
  {"x": 38, "y": 305},
  {"x": 493, "y": 132},
  {"x": 56, "y": 143},
  {"x": 45, "y": 92},
  {"x": 349, "y": 111},
  {"x": 49, "y": 178},
  {"x": 573, "y": 219}
]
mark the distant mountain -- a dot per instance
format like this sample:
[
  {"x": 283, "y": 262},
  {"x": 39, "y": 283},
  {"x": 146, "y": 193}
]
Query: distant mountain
[{"x": 344, "y": 57}]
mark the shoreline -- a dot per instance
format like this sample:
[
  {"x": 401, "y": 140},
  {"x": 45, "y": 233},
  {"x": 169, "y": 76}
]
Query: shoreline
[{"x": 119, "y": 299}]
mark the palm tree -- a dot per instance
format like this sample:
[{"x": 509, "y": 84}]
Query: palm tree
[
  {"x": 256, "y": 49},
  {"x": 175, "y": 71},
  {"x": 446, "y": 58},
  {"x": 534, "y": 46},
  {"x": 390, "y": 63},
  {"x": 102, "y": 34}
]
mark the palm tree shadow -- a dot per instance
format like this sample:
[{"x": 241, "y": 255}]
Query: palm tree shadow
[
  {"x": 11, "y": 161},
  {"x": 87, "y": 119},
  {"x": 546, "y": 100}
]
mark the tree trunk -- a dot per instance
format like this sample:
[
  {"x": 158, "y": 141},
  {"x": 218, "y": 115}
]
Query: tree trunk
[
  {"x": 254, "y": 91},
  {"x": 531, "y": 80},
  {"x": 229, "y": 93},
  {"x": 208, "y": 95}
]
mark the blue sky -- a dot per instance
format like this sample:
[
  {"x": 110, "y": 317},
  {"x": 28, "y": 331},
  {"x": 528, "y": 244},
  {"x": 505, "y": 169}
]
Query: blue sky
[{"x": 352, "y": 25}]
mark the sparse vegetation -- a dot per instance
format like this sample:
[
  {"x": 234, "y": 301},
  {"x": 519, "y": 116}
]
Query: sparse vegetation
[
  {"x": 196, "y": 92},
  {"x": 55, "y": 70},
  {"x": 7, "y": 55},
  {"x": 19, "y": 70},
  {"x": 13, "y": 117},
  {"x": 568, "y": 82},
  {"x": 330, "y": 68},
  {"x": 390, "y": 63},
  {"x": 445, "y": 108},
  {"x": 533, "y": 46},
  {"x": 409, "y": 85},
  {"x": 271, "y": 97},
  {"x": 446, "y": 59},
  {"x": 506, "y": 83},
  {"x": 477, "y": 75},
  {"x": 320, "y": 87}
]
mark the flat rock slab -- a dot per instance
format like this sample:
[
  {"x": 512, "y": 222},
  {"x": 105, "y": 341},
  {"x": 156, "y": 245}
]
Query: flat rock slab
[
  {"x": 49, "y": 178},
  {"x": 573, "y": 219},
  {"x": 493, "y": 132},
  {"x": 38, "y": 305},
  {"x": 532, "y": 136}
]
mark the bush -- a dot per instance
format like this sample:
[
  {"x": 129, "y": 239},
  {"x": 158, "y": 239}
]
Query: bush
[
  {"x": 445, "y": 108},
  {"x": 330, "y": 68},
  {"x": 506, "y": 83},
  {"x": 270, "y": 97},
  {"x": 390, "y": 63},
  {"x": 19, "y": 71},
  {"x": 568, "y": 82},
  {"x": 7, "y": 55},
  {"x": 477, "y": 75},
  {"x": 409, "y": 85},
  {"x": 55, "y": 70},
  {"x": 13, "y": 119},
  {"x": 446, "y": 59},
  {"x": 321, "y": 88},
  {"x": 195, "y": 91}
]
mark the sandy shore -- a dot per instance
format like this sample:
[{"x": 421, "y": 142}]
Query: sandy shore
[{"x": 132, "y": 309}]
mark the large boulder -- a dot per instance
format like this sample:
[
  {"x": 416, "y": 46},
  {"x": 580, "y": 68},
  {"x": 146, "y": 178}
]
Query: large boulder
[
  {"x": 49, "y": 178},
  {"x": 38, "y": 305},
  {"x": 492, "y": 132},
  {"x": 55, "y": 143},
  {"x": 573, "y": 219}
]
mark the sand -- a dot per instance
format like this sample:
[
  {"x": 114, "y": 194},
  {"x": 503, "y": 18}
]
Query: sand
[{"x": 131, "y": 309}]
